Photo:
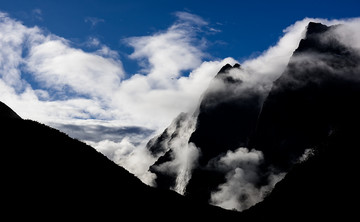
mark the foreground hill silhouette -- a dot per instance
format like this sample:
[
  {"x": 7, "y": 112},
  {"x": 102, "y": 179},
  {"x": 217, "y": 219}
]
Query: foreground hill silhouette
[{"x": 46, "y": 174}]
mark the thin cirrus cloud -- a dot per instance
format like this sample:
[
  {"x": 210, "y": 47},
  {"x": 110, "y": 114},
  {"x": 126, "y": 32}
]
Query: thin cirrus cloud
[{"x": 94, "y": 21}]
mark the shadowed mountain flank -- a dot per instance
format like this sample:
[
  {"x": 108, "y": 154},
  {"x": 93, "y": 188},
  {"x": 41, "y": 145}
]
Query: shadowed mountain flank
[
  {"x": 314, "y": 96},
  {"x": 321, "y": 187}
]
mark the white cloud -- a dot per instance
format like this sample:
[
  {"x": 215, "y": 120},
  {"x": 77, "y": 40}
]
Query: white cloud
[
  {"x": 166, "y": 54},
  {"x": 136, "y": 159},
  {"x": 155, "y": 107},
  {"x": 54, "y": 73},
  {"x": 12, "y": 38},
  {"x": 192, "y": 19},
  {"x": 37, "y": 14},
  {"x": 55, "y": 65},
  {"x": 267, "y": 67},
  {"x": 349, "y": 33},
  {"x": 240, "y": 191},
  {"x": 184, "y": 154},
  {"x": 308, "y": 153}
]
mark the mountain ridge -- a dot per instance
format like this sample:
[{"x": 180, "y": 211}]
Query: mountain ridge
[{"x": 312, "y": 98}]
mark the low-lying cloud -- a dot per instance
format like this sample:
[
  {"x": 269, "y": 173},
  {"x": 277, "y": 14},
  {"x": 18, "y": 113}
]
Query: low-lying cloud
[
  {"x": 97, "y": 132},
  {"x": 134, "y": 158},
  {"x": 240, "y": 191},
  {"x": 184, "y": 155}
]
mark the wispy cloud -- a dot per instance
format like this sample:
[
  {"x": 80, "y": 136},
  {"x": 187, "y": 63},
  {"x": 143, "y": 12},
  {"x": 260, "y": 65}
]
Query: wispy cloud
[
  {"x": 190, "y": 19},
  {"x": 240, "y": 191},
  {"x": 184, "y": 155},
  {"x": 105, "y": 131},
  {"x": 37, "y": 14},
  {"x": 94, "y": 21}
]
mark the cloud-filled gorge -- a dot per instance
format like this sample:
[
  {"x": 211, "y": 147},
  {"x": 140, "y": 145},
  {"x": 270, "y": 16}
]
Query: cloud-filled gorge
[{"x": 90, "y": 96}]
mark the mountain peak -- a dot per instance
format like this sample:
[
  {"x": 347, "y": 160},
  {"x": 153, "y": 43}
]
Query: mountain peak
[
  {"x": 227, "y": 67},
  {"x": 316, "y": 28},
  {"x": 320, "y": 39},
  {"x": 7, "y": 113},
  {"x": 224, "y": 71}
]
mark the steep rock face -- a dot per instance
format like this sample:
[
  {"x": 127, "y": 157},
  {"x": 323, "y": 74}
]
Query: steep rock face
[
  {"x": 162, "y": 143},
  {"x": 225, "y": 121},
  {"x": 167, "y": 146},
  {"x": 227, "y": 117},
  {"x": 313, "y": 97},
  {"x": 323, "y": 187}
]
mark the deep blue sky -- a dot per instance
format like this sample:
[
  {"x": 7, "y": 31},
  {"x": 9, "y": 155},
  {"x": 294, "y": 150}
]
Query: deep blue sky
[{"x": 247, "y": 27}]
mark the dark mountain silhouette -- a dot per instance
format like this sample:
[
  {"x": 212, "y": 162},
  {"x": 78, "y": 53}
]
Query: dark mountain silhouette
[
  {"x": 312, "y": 105},
  {"x": 322, "y": 188},
  {"x": 226, "y": 119},
  {"x": 46, "y": 174},
  {"x": 312, "y": 98},
  {"x": 315, "y": 106},
  {"x": 7, "y": 113},
  {"x": 225, "y": 122}
]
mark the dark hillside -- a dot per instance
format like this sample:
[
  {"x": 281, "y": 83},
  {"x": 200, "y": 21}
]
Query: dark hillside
[
  {"x": 322, "y": 188},
  {"x": 45, "y": 173}
]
